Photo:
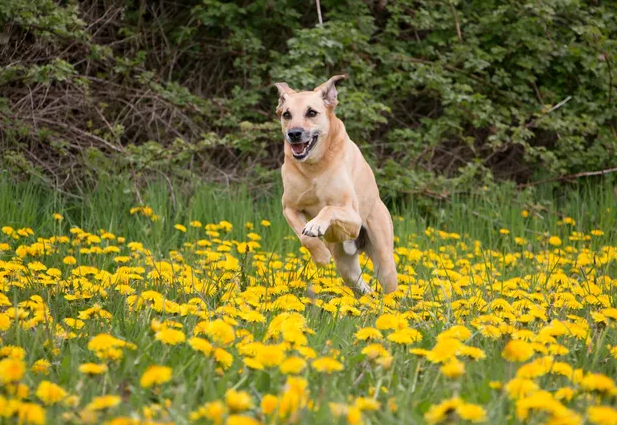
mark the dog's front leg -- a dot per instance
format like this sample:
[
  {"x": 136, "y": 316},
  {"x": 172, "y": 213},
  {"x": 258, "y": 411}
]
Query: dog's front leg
[
  {"x": 336, "y": 224},
  {"x": 319, "y": 252}
]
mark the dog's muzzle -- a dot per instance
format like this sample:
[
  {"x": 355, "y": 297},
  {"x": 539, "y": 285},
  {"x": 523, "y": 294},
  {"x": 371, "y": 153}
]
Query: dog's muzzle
[{"x": 301, "y": 142}]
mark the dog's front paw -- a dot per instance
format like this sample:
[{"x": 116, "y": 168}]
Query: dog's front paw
[{"x": 315, "y": 228}]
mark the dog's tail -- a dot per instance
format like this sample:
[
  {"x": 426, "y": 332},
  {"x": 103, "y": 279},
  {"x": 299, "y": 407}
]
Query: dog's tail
[{"x": 354, "y": 246}]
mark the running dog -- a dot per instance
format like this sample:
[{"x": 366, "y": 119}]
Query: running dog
[{"x": 330, "y": 190}]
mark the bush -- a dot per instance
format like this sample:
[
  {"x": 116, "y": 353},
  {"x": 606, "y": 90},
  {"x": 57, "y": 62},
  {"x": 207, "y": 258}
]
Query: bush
[{"x": 443, "y": 95}]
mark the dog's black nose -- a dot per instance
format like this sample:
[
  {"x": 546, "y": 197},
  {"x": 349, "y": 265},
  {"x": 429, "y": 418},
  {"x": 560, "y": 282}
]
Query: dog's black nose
[{"x": 295, "y": 134}]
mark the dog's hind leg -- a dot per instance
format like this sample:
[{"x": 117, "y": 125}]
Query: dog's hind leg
[
  {"x": 348, "y": 266},
  {"x": 380, "y": 246}
]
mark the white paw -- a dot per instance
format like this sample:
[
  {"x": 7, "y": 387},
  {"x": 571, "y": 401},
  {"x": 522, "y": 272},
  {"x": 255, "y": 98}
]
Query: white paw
[
  {"x": 315, "y": 228},
  {"x": 363, "y": 288}
]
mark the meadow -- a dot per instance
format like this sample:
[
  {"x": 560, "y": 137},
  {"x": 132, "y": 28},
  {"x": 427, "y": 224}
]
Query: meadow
[{"x": 169, "y": 308}]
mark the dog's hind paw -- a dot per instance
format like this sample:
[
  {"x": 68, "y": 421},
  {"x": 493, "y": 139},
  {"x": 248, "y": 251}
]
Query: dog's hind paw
[{"x": 315, "y": 228}]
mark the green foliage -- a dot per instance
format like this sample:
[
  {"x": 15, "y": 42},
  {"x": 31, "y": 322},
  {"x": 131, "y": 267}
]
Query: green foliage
[{"x": 444, "y": 96}]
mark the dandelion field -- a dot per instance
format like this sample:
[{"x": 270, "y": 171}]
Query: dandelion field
[{"x": 208, "y": 311}]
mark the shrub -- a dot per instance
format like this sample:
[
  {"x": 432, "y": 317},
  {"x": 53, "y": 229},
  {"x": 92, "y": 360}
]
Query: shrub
[{"x": 443, "y": 95}]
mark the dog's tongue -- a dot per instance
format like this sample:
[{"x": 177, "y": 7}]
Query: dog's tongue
[{"x": 299, "y": 148}]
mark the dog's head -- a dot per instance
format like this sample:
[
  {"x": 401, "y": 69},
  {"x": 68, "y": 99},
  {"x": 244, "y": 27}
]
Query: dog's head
[{"x": 305, "y": 118}]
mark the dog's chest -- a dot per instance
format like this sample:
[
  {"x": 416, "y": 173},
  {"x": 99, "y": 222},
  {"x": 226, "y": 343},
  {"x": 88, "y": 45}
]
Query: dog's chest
[
  {"x": 307, "y": 193},
  {"x": 307, "y": 196}
]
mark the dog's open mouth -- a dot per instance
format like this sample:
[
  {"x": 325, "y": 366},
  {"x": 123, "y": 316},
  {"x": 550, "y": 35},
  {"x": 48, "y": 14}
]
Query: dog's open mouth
[{"x": 301, "y": 150}]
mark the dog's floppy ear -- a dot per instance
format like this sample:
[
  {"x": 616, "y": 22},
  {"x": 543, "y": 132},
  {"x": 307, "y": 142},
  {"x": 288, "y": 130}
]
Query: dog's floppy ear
[
  {"x": 284, "y": 92},
  {"x": 328, "y": 90}
]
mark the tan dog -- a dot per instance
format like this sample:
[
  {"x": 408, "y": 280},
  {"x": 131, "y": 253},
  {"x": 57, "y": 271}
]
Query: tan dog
[{"x": 330, "y": 190}]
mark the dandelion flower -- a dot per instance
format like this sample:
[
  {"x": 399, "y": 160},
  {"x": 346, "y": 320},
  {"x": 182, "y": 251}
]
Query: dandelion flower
[
  {"x": 269, "y": 403},
  {"x": 155, "y": 375},
  {"x": 367, "y": 404},
  {"x": 368, "y": 334},
  {"x": 602, "y": 415},
  {"x": 41, "y": 367},
  {"x": 11, "y": 370},
  {"x": 170, "y": 336},
  {"x": 241, "y": 420},
  {"x": 30, "y": 413},
  {"x": 223, "y": 358},
  {"x": 213, "y": 411},
  {"x": 238, "y": 401},
  {"x": 517, "y": 351},
  {"x": 520, "y": 387},
  {"x": 293, "y": 365},
  {"x": 50, "y": 393},
  {"x": 597, "y": 382},
  {"x": 554, "y": 240},
  {"x": 104, "y": 402},
  {"x": 200, "y": 344},
  {"x": 327, "y": 365},
  {"x": 453, "y": 369},
  {"x": 405, "y": 336},
  {"x": 93, "y": 368}
]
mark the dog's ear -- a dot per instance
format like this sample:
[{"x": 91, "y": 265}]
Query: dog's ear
[
  {"x": 284, "y": 92},
  {"x": 328, "y": 90}
]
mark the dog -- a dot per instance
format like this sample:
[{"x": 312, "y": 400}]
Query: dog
[{"x": 329, "y": 190}]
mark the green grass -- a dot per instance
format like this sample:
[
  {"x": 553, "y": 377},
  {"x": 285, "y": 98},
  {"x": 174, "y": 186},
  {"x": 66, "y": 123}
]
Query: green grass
[
  {"x": 593, "y": 204},
  {"x": 414, "y": 384}
]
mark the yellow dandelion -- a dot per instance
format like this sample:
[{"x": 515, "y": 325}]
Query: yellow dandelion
[
  {"x": 554, "y": 240},
  {"x": 93, "y": 368},
  {"x": 368, "y": 334},
  {"x": 200, "y": 344},
  {"x": 50, "y": 393},
  {"x": 293, "y": 365},
  {"x": 520, "y": 387},
  {"x": 453, "y": 368},
  {"x": 155, "y": 375},
  {"x": 517, "y": 351},
  {"x": 170, "y": 336},
  {"x": 11, "y": 370},
  {"x": 327, "y": 365},
  {"x": 223, "y": 358},
  {"x": 599, "y": 383},
  {"x": 602, "y": 415},
  {"x": 238, "y": 401},
  {"x": 29, "y": 413},
  {"x": 41, "y": 367},
  {"x": 104, "y": 402},
  {"x": 269, "y": 404},
  {"x": 405, "y": 336},
  {"x": 241, "y": 420}
]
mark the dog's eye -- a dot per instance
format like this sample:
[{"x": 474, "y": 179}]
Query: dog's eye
[
  {"x": 287, "y": 115},
  {"x": 311, "y": 113}
]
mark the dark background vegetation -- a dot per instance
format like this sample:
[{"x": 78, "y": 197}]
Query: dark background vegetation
[{"x": 443, "y": 96}]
